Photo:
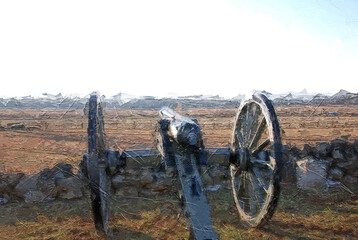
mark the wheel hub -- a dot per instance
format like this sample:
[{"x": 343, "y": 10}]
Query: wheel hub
[{"x": 244, "y": 158}]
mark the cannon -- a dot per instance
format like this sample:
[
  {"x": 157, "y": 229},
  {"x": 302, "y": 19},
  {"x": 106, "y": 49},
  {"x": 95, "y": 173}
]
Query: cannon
[{"x": 254, "y": 161}]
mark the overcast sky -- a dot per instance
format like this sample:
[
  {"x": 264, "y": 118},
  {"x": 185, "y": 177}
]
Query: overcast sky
[{"x": 184, "y": 47}]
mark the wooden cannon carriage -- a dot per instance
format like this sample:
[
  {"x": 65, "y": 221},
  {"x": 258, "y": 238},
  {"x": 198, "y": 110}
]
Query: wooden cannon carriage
[{"x": 255, "y": 161}]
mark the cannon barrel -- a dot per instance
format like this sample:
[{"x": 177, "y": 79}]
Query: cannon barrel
[{"x": 182, "y": 129}]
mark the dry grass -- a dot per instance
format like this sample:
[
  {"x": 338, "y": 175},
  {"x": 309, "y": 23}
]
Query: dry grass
[{"x": 300, "y": 215}]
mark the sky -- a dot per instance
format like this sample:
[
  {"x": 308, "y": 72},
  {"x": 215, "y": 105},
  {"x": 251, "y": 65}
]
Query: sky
[{"x": 161, "y": 48}]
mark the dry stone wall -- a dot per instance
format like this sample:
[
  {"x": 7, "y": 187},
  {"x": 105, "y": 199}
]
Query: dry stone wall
[
  {"x": 314, "y": 167},
  {"x": 322, "y": 166}
]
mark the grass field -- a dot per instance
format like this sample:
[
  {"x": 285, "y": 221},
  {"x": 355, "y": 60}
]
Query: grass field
[{"x": 299, "y": 215}]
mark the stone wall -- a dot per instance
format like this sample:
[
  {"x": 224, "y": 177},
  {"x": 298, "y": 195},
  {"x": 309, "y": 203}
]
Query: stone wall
[
  {"x": 61, "y": 183},
  {"x": 49, "y": 184},
  {"x": 320, "y": 167},
  {"x": 325, "y": 165}
]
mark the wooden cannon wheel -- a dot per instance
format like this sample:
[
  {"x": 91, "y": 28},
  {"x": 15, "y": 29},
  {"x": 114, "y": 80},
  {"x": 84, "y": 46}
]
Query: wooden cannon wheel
[
  {"x": 255, "y": 174},
  {"x": 99, "y": 180}
]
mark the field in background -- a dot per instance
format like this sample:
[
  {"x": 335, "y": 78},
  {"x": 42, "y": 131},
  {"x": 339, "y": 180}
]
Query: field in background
[{"x": 31, "y": 140}]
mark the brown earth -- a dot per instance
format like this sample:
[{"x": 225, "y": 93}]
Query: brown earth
[{"x": 52, "y": 136}]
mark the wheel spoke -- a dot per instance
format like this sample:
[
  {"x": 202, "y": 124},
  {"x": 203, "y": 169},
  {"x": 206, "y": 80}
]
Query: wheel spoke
[
  {"x": 257, "y": 190},
  {"x": 244, "y": 125},
  {"x": 252, "y": 193},
  {"x": 261, "y": 163},
  {"x": 261, "y": 179},
  {"x": 244, "y": 190},
  {"x": 239, "y": 138},
  {"x": 255, "y": 116},
  {"x": 259, "y": 131},
  {"x": 236, "y": 175},
  {"x": 243, "y": 180},
  {"x": 261, "y": 147},
  {"x": 249, "y": 120}
]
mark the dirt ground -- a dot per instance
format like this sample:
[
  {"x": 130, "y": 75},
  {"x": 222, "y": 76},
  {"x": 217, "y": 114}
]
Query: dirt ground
[{"x": 52, "y": 136}]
